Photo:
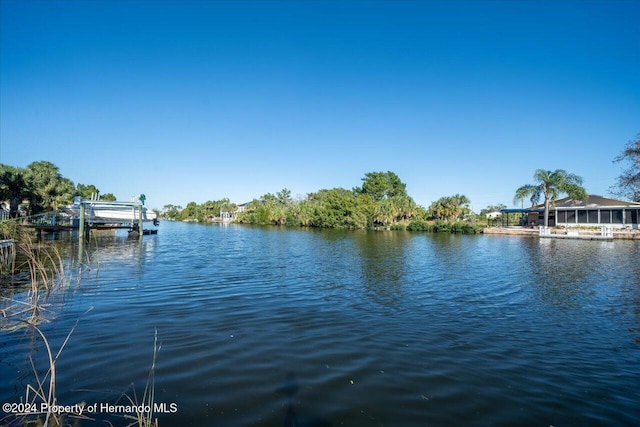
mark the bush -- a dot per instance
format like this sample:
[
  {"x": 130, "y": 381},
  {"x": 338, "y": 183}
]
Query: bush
[
  {"x": 442, "y": 227},
  {"x": 457, "y": 227},
  {"x": 291, "y": 220},
  {"x": 470, "y": 229},
  {"x": 419, "y": 225}
]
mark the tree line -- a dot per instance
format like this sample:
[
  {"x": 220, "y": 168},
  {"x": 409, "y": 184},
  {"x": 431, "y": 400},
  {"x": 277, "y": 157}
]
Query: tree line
[
  {"x": 40, "y": 187},
  {"x": 381, "y": 201}
]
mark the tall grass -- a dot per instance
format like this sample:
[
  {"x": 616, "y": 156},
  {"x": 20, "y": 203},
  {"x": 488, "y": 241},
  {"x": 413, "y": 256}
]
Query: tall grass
[
  {"x": 38, "y": 269},
  {"x": 45, "y": 388},
  {"x": 8, "y": 230},
  {"x": 43, "y": 391},
  {"x": 145, "y": 418}
]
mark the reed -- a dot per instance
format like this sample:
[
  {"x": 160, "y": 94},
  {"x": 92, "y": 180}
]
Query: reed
[
  {"x": 8, "y": 230},
  {"x": 43, "y": 392},
  {"x": 145, "y": 418},
  {"x": 38, "y": 270}
]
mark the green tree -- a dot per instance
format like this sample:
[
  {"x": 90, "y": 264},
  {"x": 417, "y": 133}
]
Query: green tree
[
  {"x": 405, "y": 207},
  {"x": 628, "y": 185},
  {"x": 12, "y": 187},
  {"x": 550, "y": 184},
  {"x": 385, "y": 212},
  {"x": 449, "y": 208},
  {"x": 380, "y": 185},
  {"x": 212, "y": 208},
  {"x": 337, "y": 208},
  {"x": 171, "y": 212},
  {"x": 46, "y": 188},
  {"x": 109, "y": 197},
  {"x": 87, "y": 191},
  {"x": 366, "y": 206},
  {"x": 284, "y": 197},
  {"x": 303, "y": 212},
  {"x": 192, "y": 211}
]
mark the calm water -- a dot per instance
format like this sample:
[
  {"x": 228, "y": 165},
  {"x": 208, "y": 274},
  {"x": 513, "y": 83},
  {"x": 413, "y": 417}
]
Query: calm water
[{"x": 274, "y": 327}]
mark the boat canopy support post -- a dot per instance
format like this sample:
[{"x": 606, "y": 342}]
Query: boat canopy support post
[
  {"x": 81, "y": 229},
  {"x": 81, "y": 233}
]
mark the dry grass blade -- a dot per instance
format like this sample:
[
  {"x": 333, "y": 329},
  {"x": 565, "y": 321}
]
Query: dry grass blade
[
  {"x": 145, "y": 418},
  {"x": 44, "y": 270},
  {"x": 44, "y": 390}
]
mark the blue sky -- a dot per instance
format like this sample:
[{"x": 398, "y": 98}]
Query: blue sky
[{"x": 200, "y": 100}]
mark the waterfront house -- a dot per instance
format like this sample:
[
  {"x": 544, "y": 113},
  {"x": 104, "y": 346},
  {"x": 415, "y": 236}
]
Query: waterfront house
[
  {"x": 231, "y": 215},
  {"x": 595, "y": 211}
]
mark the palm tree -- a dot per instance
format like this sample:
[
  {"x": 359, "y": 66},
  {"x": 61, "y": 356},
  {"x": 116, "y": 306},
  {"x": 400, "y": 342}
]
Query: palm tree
[
  {"x": 450, "y": 208},
  {"x": 12, "y": 187},
  {"x": 551, "y": 184}
]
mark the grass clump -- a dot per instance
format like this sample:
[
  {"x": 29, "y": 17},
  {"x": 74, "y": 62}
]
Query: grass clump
[{"x": 145, "y": 418}]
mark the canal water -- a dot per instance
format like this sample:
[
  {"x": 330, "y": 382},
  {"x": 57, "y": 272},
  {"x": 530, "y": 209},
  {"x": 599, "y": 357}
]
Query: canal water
[{"x": 293, "y": 327}]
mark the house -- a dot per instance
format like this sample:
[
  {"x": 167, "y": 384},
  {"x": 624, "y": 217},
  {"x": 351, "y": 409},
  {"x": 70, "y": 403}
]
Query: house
[
  {"x": 231, "y": 215},
  {"x": 595, "y": 211}
]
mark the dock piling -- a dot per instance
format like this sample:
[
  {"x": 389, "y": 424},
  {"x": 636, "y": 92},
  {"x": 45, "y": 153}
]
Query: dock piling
[
  {"x": 81, "y": 222},
  {"x": 140, "y": 220}
]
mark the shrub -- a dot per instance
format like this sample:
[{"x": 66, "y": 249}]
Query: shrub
[
  {"x": 442, "y": 227},
  {"x": 419, "y": 225}
]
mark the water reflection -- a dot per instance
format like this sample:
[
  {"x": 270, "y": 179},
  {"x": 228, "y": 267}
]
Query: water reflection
[
  {"x": 293, "y": 416},
  {"x": 383, "y": 265},
  {"x": 562, "y": 271}
]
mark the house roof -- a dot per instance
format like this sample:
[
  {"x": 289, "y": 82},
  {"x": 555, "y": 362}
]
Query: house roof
[{"x": 592, "y": 201}]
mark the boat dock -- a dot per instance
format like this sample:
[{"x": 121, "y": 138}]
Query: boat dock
[
  {"x": 577, "y": 237},
  {"x": 133, "y": 228},
  {"x": 87, "y": 215},
  {"x": 51, "y": 228},
  {"x": 606, "y": 233}
]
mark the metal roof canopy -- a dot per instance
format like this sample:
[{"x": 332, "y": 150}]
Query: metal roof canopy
[
  {"x": 521, "y": 210},
  {"x": 106, "y": 203}
]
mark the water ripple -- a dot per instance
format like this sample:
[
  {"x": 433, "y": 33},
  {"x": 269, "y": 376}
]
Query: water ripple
[{"x": 261, "y": 326}]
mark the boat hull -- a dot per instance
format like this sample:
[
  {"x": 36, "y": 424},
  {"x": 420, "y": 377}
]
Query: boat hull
[{"x": 111, "y": 212}]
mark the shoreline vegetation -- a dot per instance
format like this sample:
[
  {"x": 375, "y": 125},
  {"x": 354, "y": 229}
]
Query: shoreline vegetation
[{"x": 380, "y": 203}]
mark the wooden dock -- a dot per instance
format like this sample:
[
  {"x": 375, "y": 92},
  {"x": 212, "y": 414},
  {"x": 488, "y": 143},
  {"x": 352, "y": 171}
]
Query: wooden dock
[
  {"x": 577, "y": 237},
  {"x": 606, "y": 233},
  {"x": 54, "y": 222},
  {"x": 61, "y": 227}
]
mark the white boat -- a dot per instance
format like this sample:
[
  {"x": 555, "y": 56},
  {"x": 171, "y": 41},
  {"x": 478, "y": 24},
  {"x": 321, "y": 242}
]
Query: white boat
[{"x": 110, "y": 212}]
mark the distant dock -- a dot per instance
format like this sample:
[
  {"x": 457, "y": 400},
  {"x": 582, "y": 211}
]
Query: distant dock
[
  {"x": 604, "y": 234},
  {"x": 576, "y": 237}
]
